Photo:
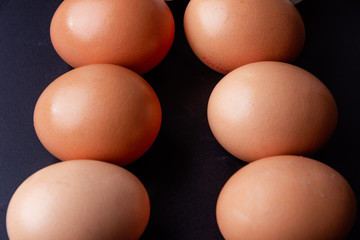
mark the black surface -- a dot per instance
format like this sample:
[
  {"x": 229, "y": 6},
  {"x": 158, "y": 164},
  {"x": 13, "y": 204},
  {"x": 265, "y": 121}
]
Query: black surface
[{"x": 185, "y": 168}]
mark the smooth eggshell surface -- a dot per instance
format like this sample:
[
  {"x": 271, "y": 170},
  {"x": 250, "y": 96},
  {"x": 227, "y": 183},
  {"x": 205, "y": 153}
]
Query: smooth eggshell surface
[
  {"x": 80, "y": 199},
  {"x": 286, "y": 197},
  {"x": 102, "y": 111},
  {"x": 271, "y": 108},
  {"x": 226, "y": 34},
  {"x": 135, "y": 34}
]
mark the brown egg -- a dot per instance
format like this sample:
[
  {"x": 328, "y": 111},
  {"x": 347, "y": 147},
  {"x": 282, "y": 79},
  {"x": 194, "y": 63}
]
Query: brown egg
[
  {"x": 80, "y": 199},
  {"x": 102, "y": 111},
  {"x": 226, "y": 34},
  {"x": 286, "y": 197},
  {"x": 135, "y": 34},
  {"x": 271, "y": 108}
]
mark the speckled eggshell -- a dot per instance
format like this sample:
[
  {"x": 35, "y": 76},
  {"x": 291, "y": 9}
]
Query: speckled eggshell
[
  {"x": 101, "y": 111},
  {"x": 286, "y": 197},
  {"x": 271, "y": 108},
  {"x": 136, "y": 34},
  {"x": 226, "y": 34},
  {"x": 79, "y": 199}
]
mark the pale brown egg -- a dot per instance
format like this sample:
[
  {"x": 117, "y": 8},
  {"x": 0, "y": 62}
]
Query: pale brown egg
[
  {"x": 136, "y": 34},
  {"x": 286, "y": 197},
  {"x": 102, "y": 111},
  {"x": 226, "y": 34},
  {"x": 271, "y": 108},
  {"x": 80, "y": 199}
]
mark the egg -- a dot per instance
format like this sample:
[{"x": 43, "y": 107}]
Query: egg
[
  {"x": 135, "y": 34},
  {"x": 286, "y": 197},
  {"x": 271, "y": 108},
  {"x": 226, "y": 34},
  {"x": 101, "y": 111},
  {"x": 79, "y": 199}
]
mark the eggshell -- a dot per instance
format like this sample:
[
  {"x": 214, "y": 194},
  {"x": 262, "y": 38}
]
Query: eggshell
[
  {"x": 226, "y": 34},
  {"x": 271, "y": 108},
  {"x": 80, "y": 199},
  {"x": 102, "y": 111},
  {"x": 135, "y": 34},
  {"x": 286, "y": 197}
]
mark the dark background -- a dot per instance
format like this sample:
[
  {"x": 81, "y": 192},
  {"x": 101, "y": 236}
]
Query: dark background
[{"x": 185, "y": 168}]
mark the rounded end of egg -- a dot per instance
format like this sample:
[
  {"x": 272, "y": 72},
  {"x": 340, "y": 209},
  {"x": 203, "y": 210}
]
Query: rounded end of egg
[
  {"x": 271, "y": 108},
  {"x": 79, "y": 199},
  {"x": 101, "y": 111},
  {"x": 134, "y": 34},
  {"x": 227, "y": 34},
  {"x": 286, "y": 197}
]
